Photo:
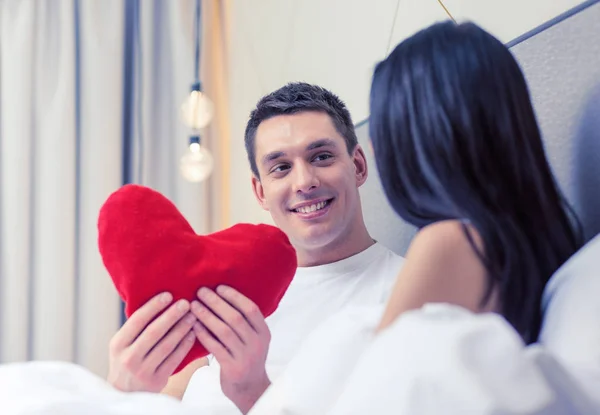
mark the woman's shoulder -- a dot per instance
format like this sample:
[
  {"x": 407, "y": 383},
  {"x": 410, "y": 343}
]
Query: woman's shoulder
[
  {"x": 448, "y": 255},
  {"x": 441, "y": 266},
  {"x": 450, "y": 237}
]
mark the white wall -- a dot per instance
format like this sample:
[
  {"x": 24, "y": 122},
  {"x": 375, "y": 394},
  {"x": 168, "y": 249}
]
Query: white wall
[{"x": 336, "y": 44}]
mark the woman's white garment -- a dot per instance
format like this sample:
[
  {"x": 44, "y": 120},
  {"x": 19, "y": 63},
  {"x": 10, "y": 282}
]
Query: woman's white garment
[
  {"x": 315, "y": 294},
  {"x": 438, "y": 360}
]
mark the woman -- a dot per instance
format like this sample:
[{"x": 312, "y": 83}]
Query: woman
[{"x": 460, "y": 157}]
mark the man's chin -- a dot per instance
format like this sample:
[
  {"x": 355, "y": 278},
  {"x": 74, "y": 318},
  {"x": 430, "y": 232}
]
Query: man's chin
[{"x": 315, "y": 239}]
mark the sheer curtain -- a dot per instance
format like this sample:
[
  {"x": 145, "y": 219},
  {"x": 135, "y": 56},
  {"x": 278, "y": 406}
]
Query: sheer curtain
[{"x": 89, "y": 100}]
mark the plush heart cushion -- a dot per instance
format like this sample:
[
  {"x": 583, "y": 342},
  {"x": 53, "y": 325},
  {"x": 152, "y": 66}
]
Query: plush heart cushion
[{"x": 148, "y": 247}]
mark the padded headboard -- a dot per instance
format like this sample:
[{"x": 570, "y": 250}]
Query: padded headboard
[{"x": 561, "y": 61}]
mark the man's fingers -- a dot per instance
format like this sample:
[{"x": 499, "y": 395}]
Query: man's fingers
[
  {"x": 228, "y": 313},
  {"x": 219, "y": 329},
  {"x": 169, "y": 342},
  {"x": 246, "y": 306},
  {"x": 183, "y": 348},
  {"x": 139, "y": 320},
  {"x": 155, "y": 331},
  {"x": 212, "y": 345}
]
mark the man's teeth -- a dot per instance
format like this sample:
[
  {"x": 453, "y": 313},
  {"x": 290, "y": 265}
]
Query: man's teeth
[{"x": 311, "y": 208}]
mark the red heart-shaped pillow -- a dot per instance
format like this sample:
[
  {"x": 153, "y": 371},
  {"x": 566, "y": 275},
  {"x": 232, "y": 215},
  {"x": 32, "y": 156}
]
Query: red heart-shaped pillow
[{"x": 148, "y": 247}]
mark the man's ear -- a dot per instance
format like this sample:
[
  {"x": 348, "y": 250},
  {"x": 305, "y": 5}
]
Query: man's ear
[
  {"x": 259, "y": 192},
  {"x": 361, "y": 171}
]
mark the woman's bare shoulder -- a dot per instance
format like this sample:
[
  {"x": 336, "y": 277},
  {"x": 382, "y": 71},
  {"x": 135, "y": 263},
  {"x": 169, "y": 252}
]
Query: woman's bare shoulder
[
  {"x": 441, "y": 266},
  {"x": 452, "y": 239}
]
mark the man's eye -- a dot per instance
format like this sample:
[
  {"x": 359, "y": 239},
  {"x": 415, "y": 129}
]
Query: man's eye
[
  {"x": 322, "y": 157},
  {"x": 280, "y": 168}
]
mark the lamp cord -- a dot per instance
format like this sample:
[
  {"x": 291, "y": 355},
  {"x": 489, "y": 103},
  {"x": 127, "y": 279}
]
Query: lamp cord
[
  {"x": 197, "y": 30},
  {"x": 446, "y": 10}
]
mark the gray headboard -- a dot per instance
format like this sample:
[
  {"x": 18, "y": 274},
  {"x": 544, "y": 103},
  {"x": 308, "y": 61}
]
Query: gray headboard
[{"x": 561, "y": 61}]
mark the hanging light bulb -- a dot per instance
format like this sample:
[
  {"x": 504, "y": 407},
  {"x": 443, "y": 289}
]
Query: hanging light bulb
[
  {"x": 197, "y": 164},
  {"x": 197, "y": 110}
]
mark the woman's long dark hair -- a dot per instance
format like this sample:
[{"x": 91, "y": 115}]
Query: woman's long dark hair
[{"x": 455, "y": 137}]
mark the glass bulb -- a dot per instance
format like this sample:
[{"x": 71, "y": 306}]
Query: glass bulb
[
  {"x": 197, "y": 164},
  {"x": 197, "y": 110}
]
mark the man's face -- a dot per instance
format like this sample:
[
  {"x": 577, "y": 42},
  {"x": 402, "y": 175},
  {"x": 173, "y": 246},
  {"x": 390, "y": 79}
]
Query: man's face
[{"x": 308, "y": 181}]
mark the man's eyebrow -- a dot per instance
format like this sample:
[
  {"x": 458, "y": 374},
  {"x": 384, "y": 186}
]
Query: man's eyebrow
[
  {"x": 274, "y": 155},
  {"x": 323, "y": 142}
]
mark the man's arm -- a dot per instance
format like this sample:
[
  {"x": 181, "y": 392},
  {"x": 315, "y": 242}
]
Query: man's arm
[
  {"x": 232, "y": 328},
  {"x": 178, "y": 383}
]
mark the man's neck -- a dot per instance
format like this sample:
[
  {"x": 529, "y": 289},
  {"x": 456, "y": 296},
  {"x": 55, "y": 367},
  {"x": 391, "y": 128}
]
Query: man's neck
[{"x": 343, "y": 248}]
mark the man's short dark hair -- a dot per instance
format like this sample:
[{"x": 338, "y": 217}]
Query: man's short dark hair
[{"x": 295, "y": 98}]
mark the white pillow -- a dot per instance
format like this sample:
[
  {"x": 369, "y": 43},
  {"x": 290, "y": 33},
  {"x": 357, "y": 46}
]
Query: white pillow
[
  {"x": 571, "y": 307},
  {"x": 571, "y": 325},
  {"x": 571, "y": 397}
]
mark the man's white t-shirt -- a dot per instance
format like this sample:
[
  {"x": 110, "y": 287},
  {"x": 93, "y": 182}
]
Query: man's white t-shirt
[{"x": 315, "y": 294}]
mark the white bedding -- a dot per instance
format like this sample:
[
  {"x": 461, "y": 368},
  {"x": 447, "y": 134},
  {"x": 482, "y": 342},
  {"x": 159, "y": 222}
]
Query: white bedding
[
  {"x": 59, "y": 388},
  {"x": 437, "y": 360}
]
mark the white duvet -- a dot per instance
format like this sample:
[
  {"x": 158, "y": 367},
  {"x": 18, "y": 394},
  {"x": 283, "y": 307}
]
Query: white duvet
[
  {"x": 59, "y": 388},
  {"x": 438, "y": 360}
]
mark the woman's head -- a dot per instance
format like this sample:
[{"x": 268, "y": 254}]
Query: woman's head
[{"x": 455, "y": 137}]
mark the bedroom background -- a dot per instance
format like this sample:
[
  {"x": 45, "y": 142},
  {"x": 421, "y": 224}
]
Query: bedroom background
[{"x": 90, "y": 94}]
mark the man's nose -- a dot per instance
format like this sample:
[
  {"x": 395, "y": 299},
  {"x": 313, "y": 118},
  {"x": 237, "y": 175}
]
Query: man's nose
[{"x": 305, "y": 178}]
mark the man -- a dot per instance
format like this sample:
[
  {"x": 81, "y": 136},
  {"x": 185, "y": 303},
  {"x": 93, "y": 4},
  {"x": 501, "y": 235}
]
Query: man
[{"x": 307, "y": 168}]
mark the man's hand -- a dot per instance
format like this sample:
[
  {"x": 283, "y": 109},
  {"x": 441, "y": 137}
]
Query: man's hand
[
  {"x": 142, "y": 355},
  {"x": 233, "y": 330}
]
